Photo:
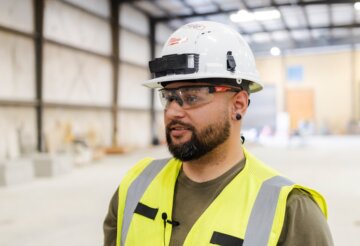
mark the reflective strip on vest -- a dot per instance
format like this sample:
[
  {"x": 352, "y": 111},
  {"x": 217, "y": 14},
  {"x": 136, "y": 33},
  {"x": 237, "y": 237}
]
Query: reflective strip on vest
[
  {"x": 263, "y": 212},
  {"x": 136, "y": 191},
  {"x": 261, "y": 217}
]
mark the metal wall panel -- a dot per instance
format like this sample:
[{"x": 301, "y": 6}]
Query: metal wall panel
[
  {"x": 68, "y": 25},
  {"x": 81, "y": 122},
  {"x": 17, "y": 131},
  {"x": 262, "y": 109},
  {"x": 160, "y": 126},
  {"x": 356, "y": 64},
  {"x": 134, "y": 128},
  {"x": 134, "y": 48},
  {"x": 100, "y": 7},
  {"x": 131, "y": 92},
  {"x": 158, "y": 49},
  {"x": 17, "y": 14},
  {"x": 133, "y": 20},
  {"x": 16, "y": 67},
  {"x": 76, "y": 77},
  {"x": 163, "y": 32},
  {"x": 158, "y": 105}
]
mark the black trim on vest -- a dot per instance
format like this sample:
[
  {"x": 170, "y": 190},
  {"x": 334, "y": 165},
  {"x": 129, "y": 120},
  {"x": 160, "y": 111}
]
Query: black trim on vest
[
  {"x": 146, "y": 211},
  {"x": 225, "y": 240}
]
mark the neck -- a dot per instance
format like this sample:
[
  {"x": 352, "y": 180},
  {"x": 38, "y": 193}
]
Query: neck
[{"x": 214, "y": 163}]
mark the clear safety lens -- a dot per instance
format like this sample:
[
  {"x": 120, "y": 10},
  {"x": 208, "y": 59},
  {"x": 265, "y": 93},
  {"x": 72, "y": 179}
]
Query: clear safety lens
[
  {"x": 186, "y": 97},
  {"x": 193, "y": 96}
]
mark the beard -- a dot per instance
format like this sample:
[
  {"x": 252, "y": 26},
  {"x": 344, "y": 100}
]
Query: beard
[{"x": 201, "y": 142}]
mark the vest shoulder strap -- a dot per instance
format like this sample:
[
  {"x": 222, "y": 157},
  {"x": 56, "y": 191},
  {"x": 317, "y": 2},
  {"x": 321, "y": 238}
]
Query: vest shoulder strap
[
  {"x": 136, "y": 191},
  {"x": 263, "y": 212}
]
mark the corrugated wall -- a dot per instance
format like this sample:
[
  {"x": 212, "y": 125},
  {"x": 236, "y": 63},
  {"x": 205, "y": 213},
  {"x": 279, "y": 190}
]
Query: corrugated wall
[{"x": 77, "y": 73}]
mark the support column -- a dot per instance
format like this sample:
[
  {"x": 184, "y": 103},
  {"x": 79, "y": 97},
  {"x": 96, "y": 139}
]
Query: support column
[
  {"x": 114, "y": 22},
  {"x": 283, "y": 99},
  {"x": 355, "y": 110},
  {"x": 38, "y": 41},
  {"x": 153, "y": 125}
]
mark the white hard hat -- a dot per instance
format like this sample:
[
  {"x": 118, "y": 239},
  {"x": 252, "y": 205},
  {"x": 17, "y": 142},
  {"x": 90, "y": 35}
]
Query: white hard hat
[{"x": 205, "y": 50}]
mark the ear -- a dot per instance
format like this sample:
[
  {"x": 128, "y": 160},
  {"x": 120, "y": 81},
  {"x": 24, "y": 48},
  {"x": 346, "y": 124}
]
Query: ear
[{"x": 240, "y": 103}]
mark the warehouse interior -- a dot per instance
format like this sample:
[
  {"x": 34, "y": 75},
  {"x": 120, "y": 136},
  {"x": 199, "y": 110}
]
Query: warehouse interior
[{"x": 74, "y": 116}]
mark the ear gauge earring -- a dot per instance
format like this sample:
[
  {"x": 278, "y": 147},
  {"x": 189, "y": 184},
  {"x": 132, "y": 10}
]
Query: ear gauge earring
[{"x": 238, "y": 116}]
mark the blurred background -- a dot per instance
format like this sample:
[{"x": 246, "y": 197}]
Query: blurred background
[{"x": 74, "y": 116}]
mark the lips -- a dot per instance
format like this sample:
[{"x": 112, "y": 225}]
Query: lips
[{"x": 178, "y": 130}]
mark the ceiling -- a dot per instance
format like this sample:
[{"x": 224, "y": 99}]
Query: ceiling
[{"x": 297, "y": 23}]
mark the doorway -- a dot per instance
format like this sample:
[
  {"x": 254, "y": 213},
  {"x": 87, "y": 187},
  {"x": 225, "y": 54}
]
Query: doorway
[{"x": 300, "y": 106}]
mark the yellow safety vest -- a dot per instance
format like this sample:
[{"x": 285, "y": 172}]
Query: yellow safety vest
[{"x": 249, "y": 211}]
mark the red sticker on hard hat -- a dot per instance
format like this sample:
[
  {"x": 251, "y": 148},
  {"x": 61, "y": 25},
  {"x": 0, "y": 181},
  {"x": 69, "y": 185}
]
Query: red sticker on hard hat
[{"x": 174, "y": 41}]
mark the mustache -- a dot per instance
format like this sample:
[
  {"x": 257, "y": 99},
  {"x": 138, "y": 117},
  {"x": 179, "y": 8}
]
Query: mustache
[{"x": 178, "y": 123}]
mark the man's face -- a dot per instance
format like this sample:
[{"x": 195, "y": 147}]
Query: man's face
[{"x": 193, "y": 132}]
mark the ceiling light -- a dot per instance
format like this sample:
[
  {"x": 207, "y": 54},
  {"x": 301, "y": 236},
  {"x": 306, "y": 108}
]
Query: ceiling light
[
  {"x": 260, "y": 15},
  {"x": 275, "y": 51},
  {"x": 267, "y": 14},
  {"x": 242, "y": 16},
  {"x": 357, "y": 5}
]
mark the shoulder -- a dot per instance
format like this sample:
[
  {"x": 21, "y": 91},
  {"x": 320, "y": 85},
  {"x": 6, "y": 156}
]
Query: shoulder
[
  {"x": 300, "y": 201},
  {"x": 304, "y": 220},
  {"x": 299, "y": 197}
]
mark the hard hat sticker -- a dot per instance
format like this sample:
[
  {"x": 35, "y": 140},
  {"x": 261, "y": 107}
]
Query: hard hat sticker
[
  {"x": 196, "y": 26},
  {"x": 174, "y": 40}
]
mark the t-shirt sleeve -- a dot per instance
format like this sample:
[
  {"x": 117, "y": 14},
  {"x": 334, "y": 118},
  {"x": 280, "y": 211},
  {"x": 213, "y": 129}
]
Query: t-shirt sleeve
[
  {"x": 110, "y": 222},
  {"x": 304, "y": 222}
]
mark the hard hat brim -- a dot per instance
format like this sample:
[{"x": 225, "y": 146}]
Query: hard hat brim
[{"x": 159, "y": 82}]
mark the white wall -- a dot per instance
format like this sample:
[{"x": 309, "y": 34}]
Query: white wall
[
  {"x": 131, "y": 93},
  {"x": 100, "y": 7},
  {"x": 17, "y": 124},
  {"x": 17, "y": 14},
  {"x": 17, "y": 131},
  {"x": 134, "y": 48},
  {"x": 134, "y": 118},
  {"x": 132, "y": 19},
  {"x": 75, "y": 77},
  {"x": 135, "y": 54},
  {"x": 162, "y": 33},
  {"x": 134, "y": 130},
  {"x": 72, "y": 76},
  {"x": 71, "y": 26},
  {"x": 81, "y": 123},
  {"x": 16, "y": 67}
]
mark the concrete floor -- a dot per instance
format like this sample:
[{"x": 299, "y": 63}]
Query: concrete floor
[{"x": 69, "y": 209}]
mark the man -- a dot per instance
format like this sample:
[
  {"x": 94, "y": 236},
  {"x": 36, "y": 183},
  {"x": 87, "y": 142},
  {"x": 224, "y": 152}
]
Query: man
[{"x": 213, "y": 191}]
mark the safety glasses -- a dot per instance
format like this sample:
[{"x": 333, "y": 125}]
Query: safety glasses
[{"x": 192, "y": 96}]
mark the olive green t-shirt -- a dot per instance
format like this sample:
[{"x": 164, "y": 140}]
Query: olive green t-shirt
[
  {"x": 304, "y": 222},
  {"x": 191, "y": 199}
]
